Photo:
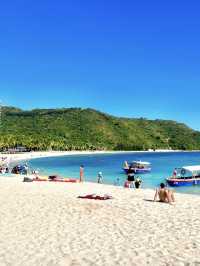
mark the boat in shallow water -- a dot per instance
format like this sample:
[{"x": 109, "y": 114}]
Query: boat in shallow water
[
  {"x": 185, "y": 176},
  {"x": 137, "y": 167}
]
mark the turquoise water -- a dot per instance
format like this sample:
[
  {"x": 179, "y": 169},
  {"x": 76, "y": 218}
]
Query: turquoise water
[{"x": 110, "y": 165}]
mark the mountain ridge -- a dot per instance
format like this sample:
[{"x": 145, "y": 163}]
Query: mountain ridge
[{"x": 89, "y": 129}]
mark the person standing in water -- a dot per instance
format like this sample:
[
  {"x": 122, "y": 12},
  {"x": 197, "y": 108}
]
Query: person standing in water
[
  {"x": 26, "y": 169},
  {"x": 117, "y": 182},
  {"x": 81, "y": 173},
  {"x": 126, "y": 165},
  {"x": 138, "y": 182},
  {"x": 99, "y": 178}
]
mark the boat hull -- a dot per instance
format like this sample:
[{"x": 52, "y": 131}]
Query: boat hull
[{"x": 183, "y": 182}]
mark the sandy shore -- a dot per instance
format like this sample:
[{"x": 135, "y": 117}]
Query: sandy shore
[
  {"x": 46, "y": 224},
  {"x": 41, "y": 154}
]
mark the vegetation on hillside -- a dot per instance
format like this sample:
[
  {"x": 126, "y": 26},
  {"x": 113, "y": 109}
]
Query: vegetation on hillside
[{"x": 87, "y": 129}]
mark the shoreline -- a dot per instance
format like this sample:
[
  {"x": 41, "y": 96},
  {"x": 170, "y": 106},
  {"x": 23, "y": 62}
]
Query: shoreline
[{"x": 45, "y": 154}]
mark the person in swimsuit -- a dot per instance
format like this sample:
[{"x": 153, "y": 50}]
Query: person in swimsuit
[
  {"x": 164, "y": 194},
  {"x": 131, "y": 180},
  {"x": 81, "y": 173}
]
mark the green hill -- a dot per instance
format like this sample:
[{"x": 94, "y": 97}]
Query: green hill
[{"x": 87, "y": 129}]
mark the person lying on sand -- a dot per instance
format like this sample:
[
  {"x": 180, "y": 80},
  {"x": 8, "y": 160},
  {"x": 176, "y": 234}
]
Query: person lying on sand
[{"x": 164, "y": 194}]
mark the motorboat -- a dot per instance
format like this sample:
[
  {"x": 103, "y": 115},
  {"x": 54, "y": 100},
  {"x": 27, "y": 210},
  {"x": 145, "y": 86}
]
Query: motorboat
[
  {"x": 185, "y": 176},
  {"x": 137, "y": 167}
]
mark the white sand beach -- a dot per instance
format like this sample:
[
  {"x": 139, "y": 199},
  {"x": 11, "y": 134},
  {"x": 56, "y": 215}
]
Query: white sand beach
[
  {"x": 46, "y": 224},
  {"x": 41, "y": 154}
]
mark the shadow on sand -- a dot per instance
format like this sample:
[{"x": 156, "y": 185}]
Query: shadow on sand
[{"x": 157, "y": 201}]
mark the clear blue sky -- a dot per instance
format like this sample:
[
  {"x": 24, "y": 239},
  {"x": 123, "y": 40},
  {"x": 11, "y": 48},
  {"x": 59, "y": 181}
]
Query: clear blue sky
[{"x": 127, "y": 58}]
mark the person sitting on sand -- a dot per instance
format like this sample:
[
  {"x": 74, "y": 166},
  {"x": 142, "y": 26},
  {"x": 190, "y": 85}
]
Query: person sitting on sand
[{"x": 164, "y": 194}]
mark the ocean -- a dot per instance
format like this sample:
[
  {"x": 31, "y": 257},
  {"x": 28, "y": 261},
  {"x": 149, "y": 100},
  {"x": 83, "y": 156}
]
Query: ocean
[{"x": 163, "y": 164}]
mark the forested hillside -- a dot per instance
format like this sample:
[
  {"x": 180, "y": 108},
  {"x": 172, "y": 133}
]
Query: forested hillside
[{"x": 87, "y": 129}]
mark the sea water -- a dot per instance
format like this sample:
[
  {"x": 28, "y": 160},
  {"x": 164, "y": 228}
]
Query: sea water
[{"x": 111, "y": 165}]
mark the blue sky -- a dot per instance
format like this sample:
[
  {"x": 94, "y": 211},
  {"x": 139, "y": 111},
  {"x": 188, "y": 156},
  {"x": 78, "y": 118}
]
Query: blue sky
[{"x": 121, "y": 57}]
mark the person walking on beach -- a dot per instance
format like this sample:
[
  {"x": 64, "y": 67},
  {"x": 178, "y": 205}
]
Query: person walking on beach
[
  {"x": 164, "y": 194},
  {"x": 99, "y": 178},
  {"x": 81, "y": 173}
]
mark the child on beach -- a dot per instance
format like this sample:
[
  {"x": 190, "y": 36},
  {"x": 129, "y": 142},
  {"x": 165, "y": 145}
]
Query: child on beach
[{"x": 138, "y": 182}]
